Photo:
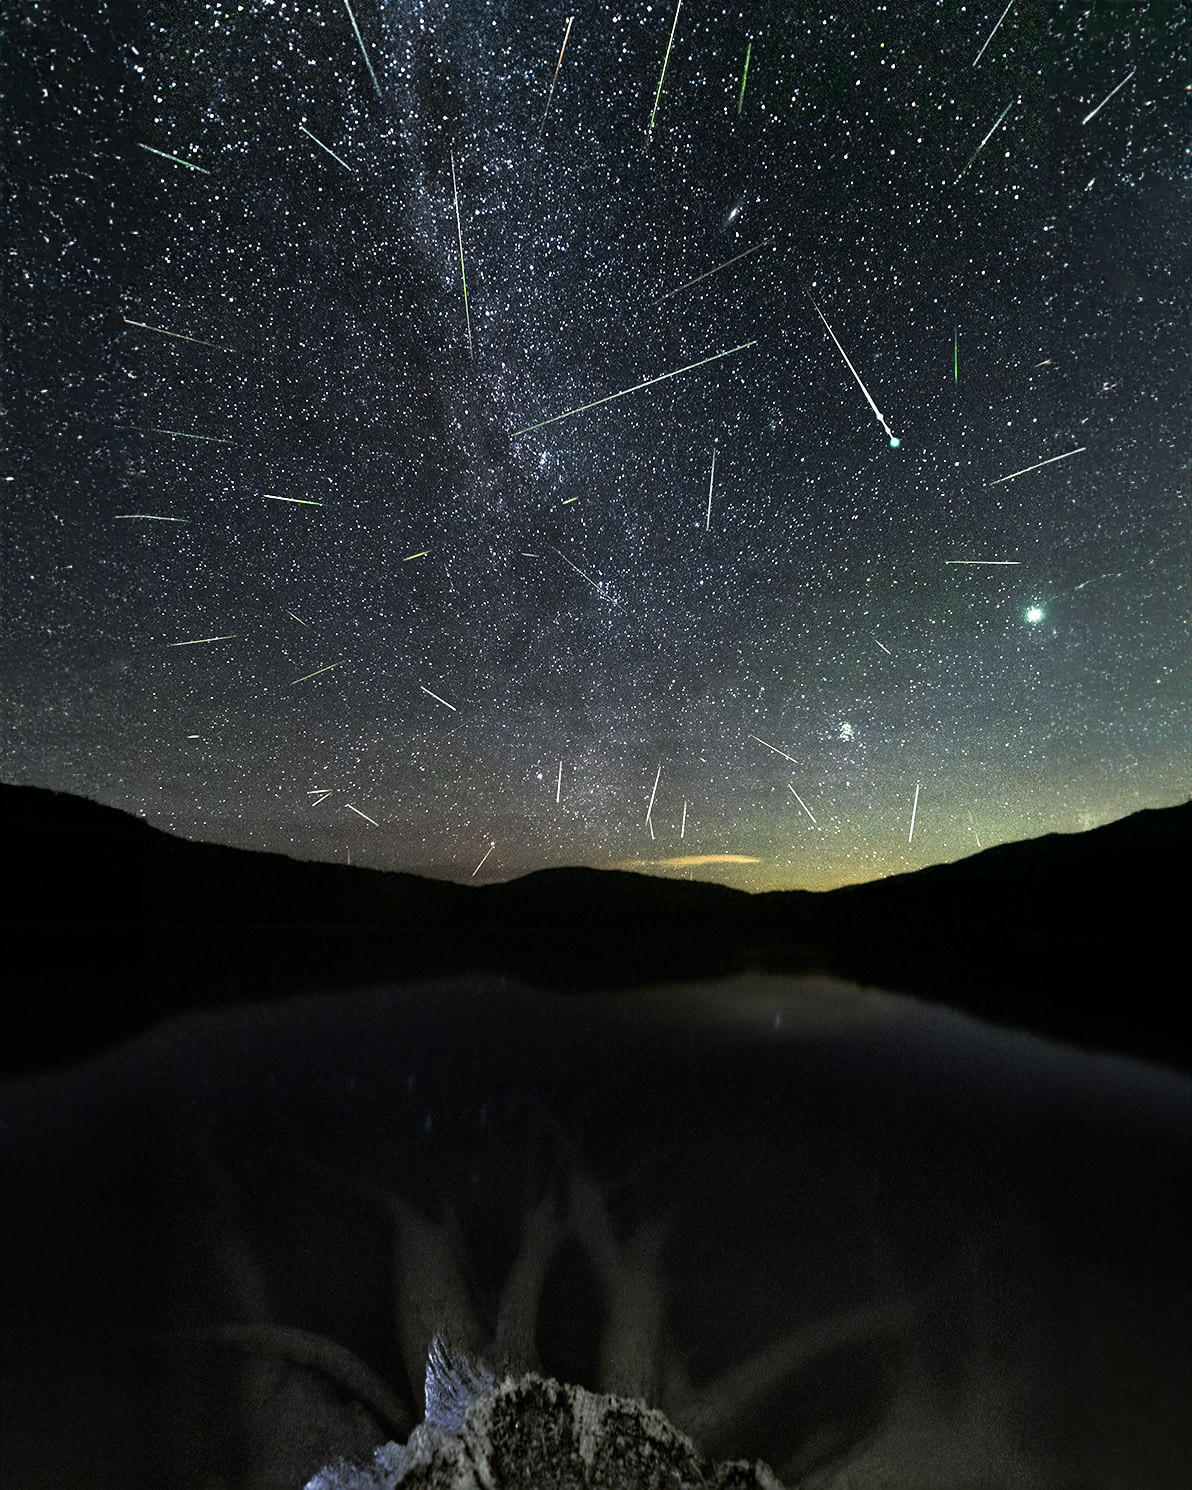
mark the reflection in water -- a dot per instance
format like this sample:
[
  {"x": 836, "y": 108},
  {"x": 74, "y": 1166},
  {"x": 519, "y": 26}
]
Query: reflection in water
[{"x": 866, "y": 1241}]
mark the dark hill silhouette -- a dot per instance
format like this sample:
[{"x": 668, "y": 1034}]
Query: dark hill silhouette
[{"x": 111, "y": 925}]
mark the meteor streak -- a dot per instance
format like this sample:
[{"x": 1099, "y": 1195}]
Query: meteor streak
[
  {"x": 745, "y": 254},
  {"x": 885, "y": 649},
  {"x": 985, "y": 561},
  {"x": 476, "y": 871},
  {"x": 611, "y": 598},
  {"x": 301, "y": 501},
  {"x": 558, "y": 64},
  {"x": 993, "y": 33},
  {"x": 956, "y": 357},
  {"x": 422, "y": 555},
  {"x": 985, "y": 141},
  {"x": 202, "y": 640},
  {"x": 559, "y": 785},
  {"x": 649, "y": 382},
  {"x": 683, "y": 824},
  {"x": 459, "y": 230},
  {"x": 1037, "y": 464},
  {"x": 665, "y": 60},
  {"x": 744, "y": 75},
  {"x": 802, "y": 804},
  {"x": 711, "y": 480},
  {"x": 364, "y": 53},
  {"x": 894, "y": 440},
  {"x": 299, "y": 619},
  {"x": 650, "y": 808},
  {"x": 1109, "y": 95},
  {"x": 775, "y": 749},
  {"x": 177, "y": 159},
  {"x": 148, "y": 517},
  {"x": 914, "y": 809},
  {"x": 330, "y": 666},
  {"x": 161, "y": 331},
  {"x": 436, "y": 697},
  {"x": 358, "y": 813},
  {"x": 321, "y": 146},
  {"x": 182, "y": 435}
]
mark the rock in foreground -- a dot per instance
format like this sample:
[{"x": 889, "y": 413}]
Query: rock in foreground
[{"x": 534, "y": 1431}]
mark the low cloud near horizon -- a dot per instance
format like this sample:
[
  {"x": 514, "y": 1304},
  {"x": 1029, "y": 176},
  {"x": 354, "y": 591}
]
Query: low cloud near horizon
[{"x": 687, "y": 862}]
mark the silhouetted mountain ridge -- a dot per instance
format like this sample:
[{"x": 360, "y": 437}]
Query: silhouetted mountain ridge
[{"x": 118, "y": 924}]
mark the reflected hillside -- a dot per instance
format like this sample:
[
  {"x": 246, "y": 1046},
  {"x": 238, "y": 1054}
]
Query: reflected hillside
[{"x": 117, "y": 925}]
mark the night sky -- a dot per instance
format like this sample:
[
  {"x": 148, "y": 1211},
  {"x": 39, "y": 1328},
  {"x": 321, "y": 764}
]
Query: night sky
[{"x": 288, "y": 566}]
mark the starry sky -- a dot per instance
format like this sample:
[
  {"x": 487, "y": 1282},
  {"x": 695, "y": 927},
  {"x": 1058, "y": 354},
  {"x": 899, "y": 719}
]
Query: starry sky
[{"x": 305, "y": 549}]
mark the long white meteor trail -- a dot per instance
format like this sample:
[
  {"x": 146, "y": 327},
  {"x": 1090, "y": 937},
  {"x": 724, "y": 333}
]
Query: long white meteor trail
[
  {"x": 321, "y": 146},
  {"x": 1109, "y": 95},
  {"x": 436, "y": 697},
  {"x": 986, "y": 140},
  {"x": 462, "y": 273},
  {"x": 802, "y": 804},
  {"x": 161, "y": 331},
  {"x": 1037, "y": 464},
  {"x": 554, "y": 80},
  {"x": 649, "y": 382},
  {"x": 914, "y": 809},
  {"x": 182, "y": 434},
  {"x": 707, "y": 272},
  {"x": 894, "y": 440},
  {"x": 993, "y": 33},
  {"x": 650, "y": 809},
  {"x": 476, "y": 871},
  {"x": 364, "y": 815},
  {"x": 611, "y": 598},
  {"x": 775, "y": 749},
  {"x": 711, "y": 482}
]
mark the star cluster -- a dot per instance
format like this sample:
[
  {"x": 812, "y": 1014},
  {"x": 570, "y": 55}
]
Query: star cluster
[{"x": 302, "y": 554}]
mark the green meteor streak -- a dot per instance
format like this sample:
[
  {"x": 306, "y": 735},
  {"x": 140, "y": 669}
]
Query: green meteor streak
[
  {"x": 161, "y": 331},
  {"x": 319, "y": 670},
  {"x": 364, "y": 53},
  {"x": 181, "y": 433},
  {"x": 608, "y": 397},
  {"x": 956, "y": 357},
  {"x": 707, "y": 272},
  {"x": 665, "y": 60},
  {"x": 177, "y": 159},
  {"x": 201, "y": 640},
  {"x": 321, "y": 146},
  {"x": 744, "y": 75}
]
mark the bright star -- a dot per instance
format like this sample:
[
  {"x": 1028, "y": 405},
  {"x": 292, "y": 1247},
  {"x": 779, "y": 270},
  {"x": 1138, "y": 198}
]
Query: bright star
[{"x": 1034, "y": 614}]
